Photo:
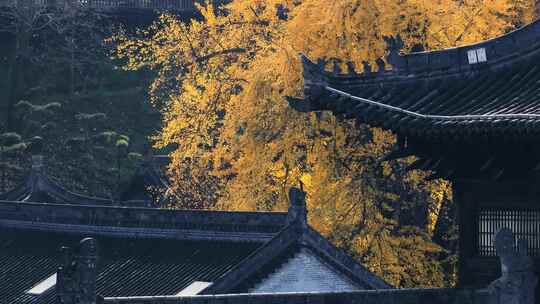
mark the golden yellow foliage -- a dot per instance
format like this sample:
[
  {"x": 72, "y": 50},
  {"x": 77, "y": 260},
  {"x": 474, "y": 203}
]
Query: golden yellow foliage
[{"x": 222, "y": 84}]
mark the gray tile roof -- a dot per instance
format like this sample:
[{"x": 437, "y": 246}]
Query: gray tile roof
[
  {"x": 127, "y": 266},
  {"x": 158, "y": 252},
  {"x": 441, "y": 94},
  {"x": 39, "y": 187}
]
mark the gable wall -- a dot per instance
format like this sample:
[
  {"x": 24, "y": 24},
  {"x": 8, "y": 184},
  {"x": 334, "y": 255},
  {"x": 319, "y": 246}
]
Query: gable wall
[{"x": 305, "y": 272}]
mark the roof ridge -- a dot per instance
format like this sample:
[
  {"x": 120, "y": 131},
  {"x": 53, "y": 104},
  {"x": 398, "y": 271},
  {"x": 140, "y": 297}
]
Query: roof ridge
[
  {"x": 255, "y": 261},
  {"x": 473, "y": 44},
  {"x": 130, "y": 208},
  {"x": 296, "y": 232},
  {"x": 149, "y": 222},
  {"x": 491, "y": 54},
  {"x": 346, "y": 263}
]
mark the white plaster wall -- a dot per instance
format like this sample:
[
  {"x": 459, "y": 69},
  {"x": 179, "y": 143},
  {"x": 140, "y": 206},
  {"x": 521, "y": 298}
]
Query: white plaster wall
[{"x": 305, "y": 272}]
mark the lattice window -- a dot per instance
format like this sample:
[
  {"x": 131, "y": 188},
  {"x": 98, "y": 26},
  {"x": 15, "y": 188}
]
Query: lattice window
[{"x": 524, "y": 223}]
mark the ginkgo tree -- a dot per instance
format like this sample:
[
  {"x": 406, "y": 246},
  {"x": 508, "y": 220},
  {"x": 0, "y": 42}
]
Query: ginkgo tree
[{"x": 222, "y": 83}]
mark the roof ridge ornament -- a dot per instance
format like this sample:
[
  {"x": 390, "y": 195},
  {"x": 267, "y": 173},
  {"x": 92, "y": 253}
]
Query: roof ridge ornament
[
  {"x": 395, "y": 47},
  {"x": 314, "y": 82},
  {"x": 77, "y": 275},
  {"x": 367, "y": 67},
  {"x": 297, "y": 209}
]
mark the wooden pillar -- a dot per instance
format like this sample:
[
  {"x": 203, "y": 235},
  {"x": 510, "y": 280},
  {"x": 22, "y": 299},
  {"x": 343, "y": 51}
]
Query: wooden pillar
[{"x": 463, "y": 197}]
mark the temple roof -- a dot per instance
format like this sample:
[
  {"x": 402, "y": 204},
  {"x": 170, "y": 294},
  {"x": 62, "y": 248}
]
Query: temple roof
[
  {"x": 157, "y": 252},
  {"x": 486, "y": 90},
  {"x": 127, "y": 267},
  {"x": 39, "y": 187}
]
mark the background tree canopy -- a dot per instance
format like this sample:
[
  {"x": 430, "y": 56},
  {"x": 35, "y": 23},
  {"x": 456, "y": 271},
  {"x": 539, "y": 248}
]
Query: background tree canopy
[
  {"x": 221, "y": 85},
  {"x": 58, "y": 84}
]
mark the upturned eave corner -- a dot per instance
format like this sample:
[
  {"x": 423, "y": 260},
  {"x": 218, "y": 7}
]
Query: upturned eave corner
[{"x": 313, "y": 87}]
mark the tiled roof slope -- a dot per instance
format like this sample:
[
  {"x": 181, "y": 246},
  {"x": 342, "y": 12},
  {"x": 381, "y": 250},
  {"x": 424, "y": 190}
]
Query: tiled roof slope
[
  {"x": 440, "y": 94},
  {"x": 295, "y": 237},
  {"x": 127, "y": 267},
  {"x": 157, "y": 252},
  {"x": 142, "y": 251}
]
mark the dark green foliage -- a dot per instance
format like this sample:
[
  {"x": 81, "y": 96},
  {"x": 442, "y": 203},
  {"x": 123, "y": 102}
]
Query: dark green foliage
[
  {"x": 11, "y": 146},
  {"x": 80, "y": 149},
  {"x": 91, "y": 118},
  {"x": 135, "y": 157}
]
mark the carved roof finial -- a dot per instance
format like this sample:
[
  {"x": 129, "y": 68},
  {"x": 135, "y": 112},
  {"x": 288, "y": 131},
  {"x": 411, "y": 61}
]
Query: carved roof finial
[
  {"x": 367, "y": 67},
  {"x": 351, "y": 69},
  {"x": 297, "y": 208},
  {"x": 394, "y": 46},
  {"x": 77, "y": 276},
  {"x": 381, "y": 65},
  {"x": 313, "y": 80}
]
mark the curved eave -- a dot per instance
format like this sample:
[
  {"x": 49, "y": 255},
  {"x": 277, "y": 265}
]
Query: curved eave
[
  {"x": 409, "y": 123},
  {"x": 38, "y": 186},
  {"x": 442, "y": 95}
]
